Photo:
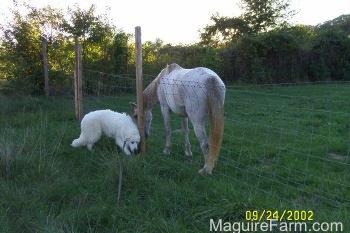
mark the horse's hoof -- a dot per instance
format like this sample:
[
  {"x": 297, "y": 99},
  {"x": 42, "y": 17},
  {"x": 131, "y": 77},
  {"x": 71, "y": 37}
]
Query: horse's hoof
[
  {"x": 166, "y": 151},
  {"x": 188, "y": 154},
  {"x": 204, "y": 172}
]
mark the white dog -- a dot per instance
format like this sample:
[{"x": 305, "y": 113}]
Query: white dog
[{"x": 115, "y": 125}]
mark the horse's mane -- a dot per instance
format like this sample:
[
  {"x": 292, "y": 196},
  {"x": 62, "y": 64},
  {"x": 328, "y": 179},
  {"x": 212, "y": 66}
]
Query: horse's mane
[
  {"x": 150, "y": 97},
  {"x": 150, "y": 94}
]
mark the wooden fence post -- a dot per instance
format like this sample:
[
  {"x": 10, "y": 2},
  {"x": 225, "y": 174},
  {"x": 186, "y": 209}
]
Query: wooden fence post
[
  {"x": 78, "y": 82},
  {"x": 46, "y": 69},
  {"x": 139, "y": 87}
]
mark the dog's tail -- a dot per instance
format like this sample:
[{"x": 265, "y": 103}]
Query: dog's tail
[{"x": 78, "y": 142}]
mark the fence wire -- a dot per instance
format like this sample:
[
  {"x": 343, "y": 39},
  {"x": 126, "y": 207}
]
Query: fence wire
[{"x": 291, "y": 142}]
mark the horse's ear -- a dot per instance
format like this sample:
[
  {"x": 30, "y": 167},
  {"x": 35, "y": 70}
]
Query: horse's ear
[
  {"x": 133, "y": 111},
  {"x": 133, "y": 105}
]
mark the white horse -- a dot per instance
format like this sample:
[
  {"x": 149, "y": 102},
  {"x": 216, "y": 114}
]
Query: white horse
[{"x": 191, "y": 93}]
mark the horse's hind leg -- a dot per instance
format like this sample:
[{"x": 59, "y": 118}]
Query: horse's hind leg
[
  {"x": 203, "y": 139},
  {"x": 185, "y": 130},
  {"x": 199, "y": 130}
]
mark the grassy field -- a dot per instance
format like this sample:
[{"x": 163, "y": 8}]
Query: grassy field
[{"x": 285, "y": 148}]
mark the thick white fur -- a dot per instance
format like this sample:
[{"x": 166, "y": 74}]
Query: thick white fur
[{"x": 115, "y": 125}]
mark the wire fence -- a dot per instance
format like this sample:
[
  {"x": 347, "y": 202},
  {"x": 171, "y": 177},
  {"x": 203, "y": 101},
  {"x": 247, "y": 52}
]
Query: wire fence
[
  {"x": 291, "y": 141},
  {"x": 293, "y": 136}
]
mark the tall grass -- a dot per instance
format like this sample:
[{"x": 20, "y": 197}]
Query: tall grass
[{"x": 47, "y": 186}]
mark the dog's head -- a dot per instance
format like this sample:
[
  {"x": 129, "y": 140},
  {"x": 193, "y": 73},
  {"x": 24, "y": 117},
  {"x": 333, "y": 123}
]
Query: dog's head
[{"x": 131, "y": 144}]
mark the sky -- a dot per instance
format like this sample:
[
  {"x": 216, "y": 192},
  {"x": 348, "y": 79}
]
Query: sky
[{"x": 179, "y": 21}]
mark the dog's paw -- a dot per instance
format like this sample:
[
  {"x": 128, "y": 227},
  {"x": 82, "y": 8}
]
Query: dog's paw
[{"x": 89, "y": 147}]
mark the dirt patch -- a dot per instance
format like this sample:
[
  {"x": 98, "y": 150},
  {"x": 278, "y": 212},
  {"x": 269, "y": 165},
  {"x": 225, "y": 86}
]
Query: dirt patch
[{"x": 338, "y": 156}]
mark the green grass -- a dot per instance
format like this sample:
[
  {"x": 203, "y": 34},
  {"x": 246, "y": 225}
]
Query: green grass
[{"x": 285, "y": 147}]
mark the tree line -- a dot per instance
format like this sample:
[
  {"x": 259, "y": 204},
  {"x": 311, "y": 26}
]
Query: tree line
[{"x": 257, "y": 47}]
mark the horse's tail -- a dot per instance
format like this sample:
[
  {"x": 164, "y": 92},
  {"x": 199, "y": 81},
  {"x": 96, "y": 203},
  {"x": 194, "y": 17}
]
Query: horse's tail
[{"x": 216, "y": 97}]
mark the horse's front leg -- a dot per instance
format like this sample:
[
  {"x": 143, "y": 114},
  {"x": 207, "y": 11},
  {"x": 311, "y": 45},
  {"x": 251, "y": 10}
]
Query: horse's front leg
[
  {"x": 185, "y": 130},
  {"x": 166, "y": 117}
]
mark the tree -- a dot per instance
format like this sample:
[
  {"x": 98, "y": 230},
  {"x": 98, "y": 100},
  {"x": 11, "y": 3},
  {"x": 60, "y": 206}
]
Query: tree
[
  {"x": 223, "y": 29},
  {"x": 22, "y": 59},
  {"x": 80, "y": 22},
  {"x": 330, "y": 55},
  {"x": 258, "y": 16},
  {"x": 120, "y": 46},
  {"x": 342, "y": 22},
  {"x": 95, "y": 32},
  {"x": 263, "y": 15},
  {"x": 49, "y": 22}
]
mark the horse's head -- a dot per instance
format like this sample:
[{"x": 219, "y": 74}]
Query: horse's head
[{"x": 147, "y": 117}]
